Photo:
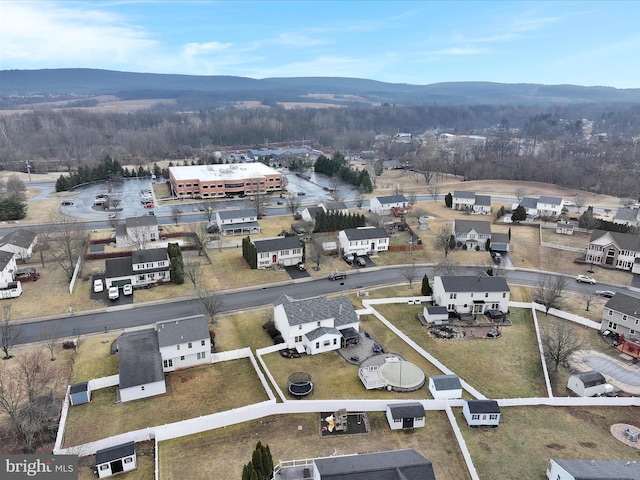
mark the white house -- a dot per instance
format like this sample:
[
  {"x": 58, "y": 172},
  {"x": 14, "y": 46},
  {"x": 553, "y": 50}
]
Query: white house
[
  {"x": 363, "y": 240},
  {"x": 284, "y": 251},
  {"x": 561, "y": 469},
  {"x": 481, "y": 413},
  {"x": 482, "y": 205},
  {"x": 619, "y": 250},
  {"x": 435, "y": 315},
  {"x": 184, "y": 342},
  {"x": 395, "y": 464},
  {"x": 628, "y": 216},
  {"x": 463, "y": 200},
  {"x": 237, "y": 222},
  {"x": 7, "y": 267},
  {"x": 588, "y": 384},
  {"x": 139, "y": 365},
  {"x": 621, "y": 315},
  {"x": 316, "y": 325},
  {"x": 309, "y": 213},
  {"x": 472, "y": 233},
  {"x": 20, "y": 242},
  {"x": 137, "y": 231},
  {"x": 143, "y": 267},
  {"x": 385, "y": 205},
  {"x": 530, "y": 206},
  {"x": 117, "y": 459},
  {"x": 471, "y": 294},
  {"x": 549, "y": 206},
  {"x": 405, "y": 416},
  {"x": 445, "y": 386}
]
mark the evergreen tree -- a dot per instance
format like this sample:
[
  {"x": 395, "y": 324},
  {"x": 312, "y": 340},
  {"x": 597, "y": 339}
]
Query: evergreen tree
[
  {"x": 519, "y": 214},
  {"x": 426, "y": 288},
  {"x": 487, "y": 246},
  {"x": 448, "y": 200}
]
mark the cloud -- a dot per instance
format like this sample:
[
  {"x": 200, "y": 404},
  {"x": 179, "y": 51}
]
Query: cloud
[{"x": 195, "y": 49}]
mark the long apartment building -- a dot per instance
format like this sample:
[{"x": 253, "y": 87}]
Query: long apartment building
[{"x": 216, "y": 181}]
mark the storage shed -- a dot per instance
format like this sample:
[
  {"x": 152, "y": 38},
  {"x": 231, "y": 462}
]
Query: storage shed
[
  {"x": 405, "y": 415},
  {"x": 117, "y": 459},
  {"x": 445, "y": 386},
  {"x": 481, "y": 413},
  {"x": 436, "y": 315},
  {"x": 79, "y": 393},
  {"x": 588, "y": 384}
]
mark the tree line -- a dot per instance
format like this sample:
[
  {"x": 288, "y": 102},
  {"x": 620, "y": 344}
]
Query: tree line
[{"x": 337, "y": 166}]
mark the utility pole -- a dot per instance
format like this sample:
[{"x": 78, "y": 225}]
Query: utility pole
[{"x": 28, "y": 169}]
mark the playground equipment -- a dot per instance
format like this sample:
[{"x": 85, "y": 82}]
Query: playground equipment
[{"x": 337, "y": 421}]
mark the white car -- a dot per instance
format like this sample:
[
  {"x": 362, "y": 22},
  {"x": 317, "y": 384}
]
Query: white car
[
  {"x": 98, "y": 286},
  {"x": 114, "y": 293},
  {"x": 585, "y": 279},
  {"x": 127, "y": 289}
]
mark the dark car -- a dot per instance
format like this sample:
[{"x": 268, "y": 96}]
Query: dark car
[
  {"x": 376, "y": 347},
  {"x": 337, "y": 275},
  {"x": 493, "y": 314},
  {"x": 605, "y": 293}
]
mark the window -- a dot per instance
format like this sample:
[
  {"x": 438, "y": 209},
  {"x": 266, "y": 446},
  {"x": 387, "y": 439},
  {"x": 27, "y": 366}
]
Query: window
[
  {"x": 493, "y": 416},
  {"x": 335, "y": 341},
  {"x": 613, "y": 325},
  {"x": 326, "y": 343},
  {"x": 177, "y": 347},
  {"x": 453, "y": 296},
  {"x": 182, "y": 357},
  {"x": 472, "y": 295},
  {"x": 475, "y": 417},
  {"x": 299, "y": 327},
  {"x": 203, "y": 342},
  {"x": 142, "y": 387},
  {"x": 486, "y": 295},
  {"x": 317, "y": 344},
  {"x": 504, "y": 295},
  {"x": 168, "y": 363},
  {"x": 200, "y": 356},
  {"x": 298, "y": 339},
  {"x": 632, "y": 332},
  {"x": 610, "y": 312},
  {"x": 189, "y": 345},
  {"x": 104, "y": 467},
  {"x": 318, "y": 323},
  {"x": 128, "y": 460}
]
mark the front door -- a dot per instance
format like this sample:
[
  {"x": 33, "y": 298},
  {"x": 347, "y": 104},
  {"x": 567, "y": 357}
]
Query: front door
[
  {"x": 407, "y": 423},
  {"x": 116, "y": 467}
]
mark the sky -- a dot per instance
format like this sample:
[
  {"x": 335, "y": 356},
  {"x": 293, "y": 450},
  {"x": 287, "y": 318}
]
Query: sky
[{"x": 416, "y": 42}]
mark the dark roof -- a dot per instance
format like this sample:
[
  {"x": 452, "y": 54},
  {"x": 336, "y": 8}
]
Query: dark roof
[
  {"x": 150, "y": 255},
  {"x": 139, "y": 360},
  {"x": 114, "y": 453},
  {"x": 463, "y": 194},
  {"x": 465, "y": 226},
  {"x": 625, "y": 241},
  {"x": 143, "y": 221},
  {"x": 121, "y": 230},
  {"x": 483, "y": 406},
  {"x": 406, "y": 410},
  {"x": 79, "y": 387},
  {"x": 601, "y": 469},
  {"x": 627, "y": 214},
  {"x": 483, "y": 200},
  {"x": 499, "y": 238},
  {"x": 231, "y": 214},
  {"x": 365, "y": 233},
  {"x": 624, "y": 303},
  {"x": 591, "y": 379},
  {"x": 275, "y": 244},
  {"x": 20, "y": 238},
  {"x": 529, "y": 202},
  {"x": 118, "y": 267},
  {"x": 550, "y": 200},
  {"x": 332, "y": 206},
  {"x": 311, "y": 310},
  {"x": 446, "y": 382},
  {"x": 313, "y": 211},
  {"x": 392, "y": 199},
  {"x": 474, "y": 283},
  {"x": 182, "y": 330},
  {"x": 5, "y": 258},
  {"x": 393, "y": 465},
  {"x": 437, "y": 310}
]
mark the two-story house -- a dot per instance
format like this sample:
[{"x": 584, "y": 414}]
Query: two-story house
[
  {"x": 619, "y": 250},
  {"x": 137, "y": 231},
  {"x": 571, "y": 469},
  {"x": 316, "y": 325},
  {"x": 184, "y": 342},
  {"x": 7, "y": 267},
  {"x": 471, "y": 294},
  {"x": 463, "y": 200},
  {"x": 549, "y": 206},
  {"x": 628, "y": 216},
  {"x": 143, "y": 267},
  {"x": 388, "y": 204},
  {"x": 529, "y": 204},
  {"x": 482, "y": 205},
  {"x": 621, "y": 314},
  {"x": 363, "y": 240},
  {"x": 309, "y": 213},
  {"x": 283, "y": 251},
  {"x": 238, "y": 222},
  {"x": 472, "y": 233},
  {"x": 21, "y": 242}
]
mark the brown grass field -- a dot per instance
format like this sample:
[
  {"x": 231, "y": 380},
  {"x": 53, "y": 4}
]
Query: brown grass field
[{"x": 93, "y": 358}]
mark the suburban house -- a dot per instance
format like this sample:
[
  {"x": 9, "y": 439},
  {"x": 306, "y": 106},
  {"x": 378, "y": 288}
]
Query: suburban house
[
  {"x": 472, "y": 233},
  {"x": 389, "y": 204},
  {"x": 549, "y": 206},
  {"x": 363, "y": 240},
  {"x": 309, "y": 213},
  {"x": 117, "y": 459},
  {"x": 282, "y": 251},
  {"x": 627, "y": 216},
  {"x": 237, "y": 222},
  {"x": 435, "y": 315},
  {"x": 499, "y": 242},
  {"x": 7, "y": 267},
  {"x": 20, "y": 242},
  {"x": 184, "y": 343},
  {"x": 481, "y": 413},
  {"x": 561, "y": 469},
  {"x": 588, "y": 384},
  {"x": 143, "y": 267},
  {"x": 482, "y": 205},
  {"x": 137, "y": 231},
  {"x": 529, "y": 204},
  {"x": 445, "y": 386},
  {"x": 404, "y": 416},
  {"x": 463, "y": 200},
  {"x": 619, "y": 250},
  {"x": 316, "y": 325},
  {"x": 471, "y": 294},
  {"x": 79, "y": 393},
  {"x": 621, "y": 315}
]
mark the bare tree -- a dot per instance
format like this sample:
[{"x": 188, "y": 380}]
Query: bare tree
[
  {"x": 360, "y": 198},
  {"x": 443, "y": 239},
  {"x": 335, "y": 193},
  {"x": 398, "y": 189},
  {"x": 44, "y": 242},
  {"x": 209, "y": 207},
  {"x": 139, "y": 237},
  {"x": 447, "y": 267},
  {"x": 588, "y": 298},
  {"x": 176, "y": 213},
  {"x": 434, "y": 191},
  {"x": 70, "y": 238},
  {"x": 199, "y": 234},
  {"x": 377, "y": 219},
  {"x": 113, "y": 219},
  {"x": 211, "y": 303},
  {"x": 550, "y": 291},
  {"x": 559, "y": 341},
  {"x": 193, "y": 271},
  {"x": 293, "y": 203},
  {"x": 410, "y": 272},
  {"x": 50, "y": 333},
  {"x": 115, "y": 202},
  {"x": 315, "y": 254},
  {"x": 580, "y": 201},
  {"x": 10, "y": 331},
  {"x": 412, "y": 198},
  {"x": 15, "y": 188},
  {"x": 27, "y": 397},
  {"x": 520, "y": 193}
]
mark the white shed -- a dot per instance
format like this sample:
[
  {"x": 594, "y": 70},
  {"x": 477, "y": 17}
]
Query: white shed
[
  {"x": 481, "y": 413},
  {"x": 117, "y": 459},
  {"x": 445, "y": 386},
  {"x": 405, "y": 415},
  {"x": 588, "y": 384},
  {"x": 436, "y": 315},
  {"x": 79, "y": 393}
]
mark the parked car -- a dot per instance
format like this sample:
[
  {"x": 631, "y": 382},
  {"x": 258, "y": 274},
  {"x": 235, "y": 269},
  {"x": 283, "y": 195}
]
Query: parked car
[
  {"x": 98, "y": 285},
  {"x": 605, "y": 293},
  {"x": 301, "y": 266},
  {"x": 127, "y": 289},
  {"x": 349, "y": 258},
  {"x": 496, "y": 257},
  {"x": 493, "y": 314},
  {"x": 585, "y": 279},
  {"x": 337, "y": 275},
  {"x": 114, "y": 293},
  {"x": 361, "y": 261},
  {"x": 66, "y": 203},
  {"x": 376, "y": 347}
]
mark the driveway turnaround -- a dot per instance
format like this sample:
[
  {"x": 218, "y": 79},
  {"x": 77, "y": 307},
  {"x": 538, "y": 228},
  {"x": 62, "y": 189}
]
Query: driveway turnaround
[{"x": 613, "y": 369}]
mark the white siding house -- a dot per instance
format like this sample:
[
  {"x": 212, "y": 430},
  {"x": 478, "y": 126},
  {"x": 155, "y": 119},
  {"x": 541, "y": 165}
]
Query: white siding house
[
  {"x": 184, "y": 342},
  {"x": 472, "y": 233},
  {"x": 481, "y": 413},
  {"x": 20, "y": 242},
  {"x": 139, "y": 365},
  {"x": 621, "y": 315},
  {"x": 283, "y": 251},
  {"x": 404, "y": 416},
  {"x": 137, "y": 231},
  {"x": 549, "y": 206},
  {"x": 237, "y": 222},
  {"x": 364, "y": 240},
  {"x": 7, "y": 268},
  {"x": 628, "y": 216},
  {"x": 561, "y": 469},
  {"x": 143, "y": 267},
  {"x": 471, "y": 294},
  {"x": 385, "y": 205},
  {"x": 463, "y": 200},
  {"x": 117, "y": 459},
  {"x": 482, "y": 205}
]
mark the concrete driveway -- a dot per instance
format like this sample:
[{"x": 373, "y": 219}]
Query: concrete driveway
[{"x": 619, "y": 373}]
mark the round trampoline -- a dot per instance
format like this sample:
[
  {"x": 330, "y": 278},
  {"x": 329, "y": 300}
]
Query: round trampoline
[
  {"x": 401, "y": 376},
  {"x": 300, "y": 384}
]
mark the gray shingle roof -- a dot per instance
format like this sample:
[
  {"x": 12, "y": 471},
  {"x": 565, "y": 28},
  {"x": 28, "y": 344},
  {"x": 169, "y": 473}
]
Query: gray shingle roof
[
  {"x": 406, "y": 410},
  {"x": 601, "y": 469},
  {"x": 627, "y": 214},
  {"x": 231, "y": 214},
  {"x": 592, "y": 378},
  {"x": 624, "y": 241},
  {"x": 319, "y": 332},
  {"x": 365, "y": 233},
  {"x": 482, "y": 227},
  {"x": 437, "y": 310},
  {"x": 332, "y": 206},
  {"x": 118, "y": 267},
  {"x": 393, "y": 465},
  {"x": 474, "y": 283},
  {"x": 182, "y": 330},
  {"x": 313, "y": 211},
  {"x": 143, "y": 221},
  {"x": 150, "y": 255},
  {"x": 313, "y": 310},
  {"x": 623, "y": 303},
  {"x": 500, "y": 238},
  {"x": 275, "y": 244},
  {"x": 483, "y": 406},
  {"x": 114, "y": 453},
  {"x": 79, "y": 387},
  {"x": 483, "y": 200},
  {"x": 446, "y": 382},
  {"x": 139, "y": 360},
  {"x": 20, "y": 238},
  {"x": 529, "y": 202},
  {"x": 392, "y": 199},
  {"x": 464, "y": 194},
  {"x": 550, "y": 200},
  {"x": 5, "y": 258}
]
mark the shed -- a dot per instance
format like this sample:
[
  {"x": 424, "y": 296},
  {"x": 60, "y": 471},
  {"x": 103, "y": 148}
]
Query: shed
[
  {"x": 445, "y": 386},
  {"x": 79, "y": 393},
  {"x": 436, "y": 315},
  {"x": 405, "y": 415},
  {"x": 481, "y": 413},
  {"x": 117, "y": 459},
  {"x": 588, "y": 384}
]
